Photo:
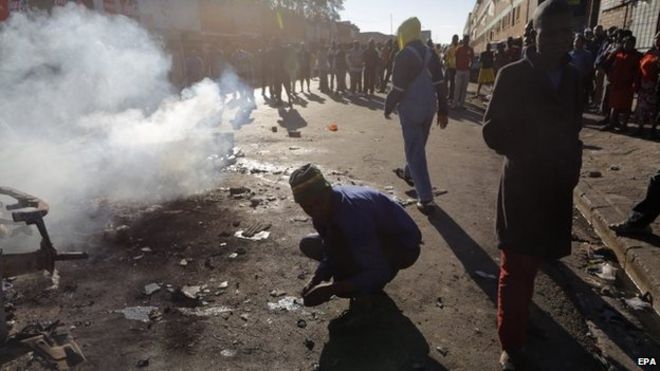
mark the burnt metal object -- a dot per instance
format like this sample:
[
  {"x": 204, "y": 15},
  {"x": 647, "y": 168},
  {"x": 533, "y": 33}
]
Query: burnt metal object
[{"x": 52, "y": 345}]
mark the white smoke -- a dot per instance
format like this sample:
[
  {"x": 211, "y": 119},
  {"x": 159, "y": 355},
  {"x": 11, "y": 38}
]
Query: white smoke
[{"x": 87, "y": 112}]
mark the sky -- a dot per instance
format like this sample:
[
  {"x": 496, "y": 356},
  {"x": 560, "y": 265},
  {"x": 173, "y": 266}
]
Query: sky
[{"x": 443, "y": 17}]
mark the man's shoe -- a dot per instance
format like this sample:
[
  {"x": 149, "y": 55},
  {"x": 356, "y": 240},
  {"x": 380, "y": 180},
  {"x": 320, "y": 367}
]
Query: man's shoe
[
  {"x": 426, "y": 207},
  {"x": 399, "y": 172},
  {"x": 629, "y": 228},
  {"x": 363, "y": 313},
  {"x": 509, "y": 360}
]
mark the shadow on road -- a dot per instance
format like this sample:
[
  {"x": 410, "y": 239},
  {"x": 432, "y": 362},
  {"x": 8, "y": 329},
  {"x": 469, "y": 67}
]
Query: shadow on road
[
  {"x": 291, "y": 119},
  {"x": 467, "y": 114},
  {"x": 394, "y": 344},
  {"x": 566, "y": 354},
  {"x": 373, "y": 103},
  {"x": 314, "y": 98}
]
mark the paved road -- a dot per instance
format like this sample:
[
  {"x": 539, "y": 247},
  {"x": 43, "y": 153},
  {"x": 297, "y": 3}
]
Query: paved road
[{"x": 458, "y": 241}]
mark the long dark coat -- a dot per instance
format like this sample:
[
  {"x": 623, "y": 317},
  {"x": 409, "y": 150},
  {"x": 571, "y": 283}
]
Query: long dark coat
[{"x": 536, "y": 127}]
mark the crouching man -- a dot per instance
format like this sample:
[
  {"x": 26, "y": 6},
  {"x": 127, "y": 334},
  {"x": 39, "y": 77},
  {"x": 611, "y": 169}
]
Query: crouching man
[{"x": 364, "y": 238}]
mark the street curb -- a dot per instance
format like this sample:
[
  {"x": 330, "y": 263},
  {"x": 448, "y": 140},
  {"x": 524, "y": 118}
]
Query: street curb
[{"x": 594, "y": 206}]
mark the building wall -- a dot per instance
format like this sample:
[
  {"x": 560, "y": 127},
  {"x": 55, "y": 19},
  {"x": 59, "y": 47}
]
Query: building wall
[{"x": 496, "y": 20}]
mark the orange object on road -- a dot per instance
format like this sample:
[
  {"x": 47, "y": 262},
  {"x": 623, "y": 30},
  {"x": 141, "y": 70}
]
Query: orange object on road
[{"x": 333, "y": 127}]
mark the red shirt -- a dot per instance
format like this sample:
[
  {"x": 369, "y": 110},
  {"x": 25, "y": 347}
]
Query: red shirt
[
  {"x": 649, "y": 66},
  {"x": 464, "y": 56}
]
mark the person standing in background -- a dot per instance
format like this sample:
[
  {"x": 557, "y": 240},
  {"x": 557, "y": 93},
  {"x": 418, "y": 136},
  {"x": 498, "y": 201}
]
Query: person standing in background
[
  {"x": 323, "y": 66},
  {"x": 370, "y": 66},
  {"x": 304, "y": 67},
  {"x": 355, "y": 59},
  {"x": 647, "y": 100},
  {"x": 464, "y": 57},
  {"x": 582, "y": 59},
  {"x": 341, "y": 67},
  {"x": 450, "y": 64},
  {"x": 487, "y": 69},
  {"x": 623, "y": 75}
]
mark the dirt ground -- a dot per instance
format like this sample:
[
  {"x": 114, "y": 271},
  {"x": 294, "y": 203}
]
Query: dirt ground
[{"x": 438, "y": 315}]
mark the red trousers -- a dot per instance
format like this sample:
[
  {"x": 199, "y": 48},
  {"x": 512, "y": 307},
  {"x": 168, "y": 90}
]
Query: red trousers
[{"x": 514, "y": 294}]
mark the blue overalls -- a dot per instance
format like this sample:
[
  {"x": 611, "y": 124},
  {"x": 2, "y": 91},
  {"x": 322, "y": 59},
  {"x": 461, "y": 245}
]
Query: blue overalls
[{"x": 416, "y": 112}]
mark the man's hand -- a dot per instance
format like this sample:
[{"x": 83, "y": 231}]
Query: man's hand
[
  {"x": 310, "y": 285},
  {"x": 318, "y": 295},
  {"x": 442, "y": 120}
]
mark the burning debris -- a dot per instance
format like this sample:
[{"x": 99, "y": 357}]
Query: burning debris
[{"x": 50, "y": 343}]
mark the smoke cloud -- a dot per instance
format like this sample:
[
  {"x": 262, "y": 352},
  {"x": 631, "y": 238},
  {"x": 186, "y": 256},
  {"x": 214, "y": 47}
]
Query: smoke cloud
[{"x": 87, "y": 112}]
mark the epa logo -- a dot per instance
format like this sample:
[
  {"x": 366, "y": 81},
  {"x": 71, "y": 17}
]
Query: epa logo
[{"x": 646, "y": 362}]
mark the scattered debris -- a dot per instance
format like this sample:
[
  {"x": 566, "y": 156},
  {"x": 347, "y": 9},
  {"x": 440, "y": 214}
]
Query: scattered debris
[
  {"x": 238, "y": 190},
  {"x": 440, "y": 192},
  {"x": 287, "y": 303},
  {"x": 183, "y": 262},
  {"x": 277, "y": 293},
  {"x": 637, "y": 303},
  {"x": 309, "y": 344},
  {"x": 300, "y": 219},
  {"x": 255, "y": 237},
  {"x": 245, "y": 317},
  {"x": 442, "y": 350},
  {"x": 206, "y": 312},
  {"x": 117, "y": 234},
  {"x": 191, "y": 292},
  {"x": 151, "y": 288},
  {"x": 604, "y": 271},
  {"x": 295, "y": 134},
  {"x": 302, "y": 323},
  {"x": 405, "y": 203},
  {"x": 485, "y": 275},
  {"x": 274, "y": 129},
  {"x": 146, "y": 249},
  {"x": 223, "y": 284},
  {"x": 142, "y": 363},
  {"x": 615, "y": 168},
  {"x": 139, "y": 313},
  {"x": 333, "y": 127},
  {"x": 228, "y": 353},
  {"x": 595, "y": 174},
  {"x": 233, "y": 255},
  {"x": 439, "y": 303},
  {"x": 389, "y": 188},
  {"x": 294, "y": 148}
]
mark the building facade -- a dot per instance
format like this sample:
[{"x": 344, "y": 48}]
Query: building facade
[
  {"x": 493, "y": 21},
  {"x": 642, "y": 17}
]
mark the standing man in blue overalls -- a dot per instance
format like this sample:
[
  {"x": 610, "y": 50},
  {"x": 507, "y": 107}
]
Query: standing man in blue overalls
[{"x": 419, "y": 91}]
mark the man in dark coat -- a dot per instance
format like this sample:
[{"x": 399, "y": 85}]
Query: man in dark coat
[{"x": 540, "y": 142}]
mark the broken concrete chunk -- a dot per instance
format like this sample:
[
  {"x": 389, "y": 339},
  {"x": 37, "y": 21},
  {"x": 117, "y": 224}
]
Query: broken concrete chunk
[
  {"x": 191, "y": 292},
  {"x": 277, "y": 293},
  {"x": 151, "y": 288},
  {"x": 287, "y": 303},
  {"x": 137, "y": 313},
  {"x": 238, "y": 190},
  {"x": 637, "y": 304}
]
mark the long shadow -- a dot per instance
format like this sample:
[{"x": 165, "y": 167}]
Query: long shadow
[
  {"x": 291, "y": 119},
  {"x": 372, "y": 104},
  {"x": 337, "y": 97},
  {"x": 592, "y": 123},
  {"x": 566, "y": 354},
  {"x": 650, "y": 238},
  {"x": 314, "y": 98},
  {"x": 394, "y": 343},
  {"x": 466, "y": 115}
]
